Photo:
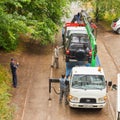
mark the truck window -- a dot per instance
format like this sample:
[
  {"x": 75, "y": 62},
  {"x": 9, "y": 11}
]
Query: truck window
[{"x": 88, "y": 82}]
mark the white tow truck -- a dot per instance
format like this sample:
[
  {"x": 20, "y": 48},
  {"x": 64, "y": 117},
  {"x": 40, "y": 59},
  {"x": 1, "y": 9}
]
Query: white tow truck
[{"x": 87, "y": 87}]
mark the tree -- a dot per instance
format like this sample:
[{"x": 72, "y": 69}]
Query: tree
[
  {"x": 102, "y": 8},
  {"x": 9, "y": 29},
  {"x": 40, "y": 18}
]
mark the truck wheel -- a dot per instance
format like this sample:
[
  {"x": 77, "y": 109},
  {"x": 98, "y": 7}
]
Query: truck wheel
[{"x": 118, "y": 30}]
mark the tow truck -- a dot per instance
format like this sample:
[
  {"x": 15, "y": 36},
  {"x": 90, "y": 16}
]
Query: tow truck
[{"x": 87, "y": 82}]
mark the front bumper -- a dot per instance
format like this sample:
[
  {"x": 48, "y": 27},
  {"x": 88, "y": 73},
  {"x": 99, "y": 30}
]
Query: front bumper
[{"x": 84, "y": 105}]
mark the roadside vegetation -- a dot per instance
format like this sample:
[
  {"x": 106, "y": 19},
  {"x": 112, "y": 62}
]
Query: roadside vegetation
[
  {"x": 40, "y": 18},
  {"x": 5, "y": 108},
  {"x": 105, "y": 10}
]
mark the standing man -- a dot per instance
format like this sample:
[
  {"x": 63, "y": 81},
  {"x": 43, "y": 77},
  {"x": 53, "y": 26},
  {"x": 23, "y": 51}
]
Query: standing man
[
  {"x": 14, "y": 66},
  {"x": 63, "y": 89},
  {"x": 56, "y": 57}
]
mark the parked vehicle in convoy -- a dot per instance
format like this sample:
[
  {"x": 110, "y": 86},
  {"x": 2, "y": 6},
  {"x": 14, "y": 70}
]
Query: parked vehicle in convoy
[
  {"x": 78, "y": 48},
  {"x": 116, "y": 25}
]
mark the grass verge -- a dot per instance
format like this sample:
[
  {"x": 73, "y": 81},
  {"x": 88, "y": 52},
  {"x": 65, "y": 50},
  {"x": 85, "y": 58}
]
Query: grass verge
[{"x": 6, "y": 110}]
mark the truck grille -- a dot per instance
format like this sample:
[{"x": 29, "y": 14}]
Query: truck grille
[{"x": 87, "y": 100}]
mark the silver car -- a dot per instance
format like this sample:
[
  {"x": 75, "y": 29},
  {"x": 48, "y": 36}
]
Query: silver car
[{"x": 116, "y": 25}]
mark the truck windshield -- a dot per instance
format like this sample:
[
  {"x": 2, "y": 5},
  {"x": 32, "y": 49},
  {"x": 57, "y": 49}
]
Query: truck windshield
[{"x": 88, "y": 82}]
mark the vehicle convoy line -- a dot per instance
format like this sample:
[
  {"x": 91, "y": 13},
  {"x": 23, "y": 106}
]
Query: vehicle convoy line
[{"x": 87, "y": 71}]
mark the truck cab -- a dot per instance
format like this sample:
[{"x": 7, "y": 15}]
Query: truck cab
[{"x": 87, "y": 87}]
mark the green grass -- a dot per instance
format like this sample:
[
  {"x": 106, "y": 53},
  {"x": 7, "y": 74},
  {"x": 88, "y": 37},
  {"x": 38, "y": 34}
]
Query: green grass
[{"x": 6, "y": 110}]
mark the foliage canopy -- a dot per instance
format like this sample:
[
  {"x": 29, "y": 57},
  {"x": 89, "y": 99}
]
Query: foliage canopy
[
  {"x": 40, "y": 18},
  {"x": 104, "y": 9}
]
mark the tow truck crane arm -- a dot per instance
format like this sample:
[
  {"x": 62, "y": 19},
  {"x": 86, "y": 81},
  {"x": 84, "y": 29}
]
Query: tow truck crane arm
[{"x": 92, "y": 41}]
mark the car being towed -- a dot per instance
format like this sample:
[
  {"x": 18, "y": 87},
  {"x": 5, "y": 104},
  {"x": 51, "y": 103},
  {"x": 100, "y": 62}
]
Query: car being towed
[{"x": 78, "y": 48}]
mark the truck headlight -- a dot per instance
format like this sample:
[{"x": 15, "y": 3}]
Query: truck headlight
[
  {"x": 102, "y": 99},
  {"x": 73, "y": 98}
]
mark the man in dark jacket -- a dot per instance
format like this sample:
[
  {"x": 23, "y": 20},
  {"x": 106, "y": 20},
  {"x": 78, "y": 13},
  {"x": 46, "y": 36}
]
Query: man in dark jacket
[{"x": 14, "y": 66}]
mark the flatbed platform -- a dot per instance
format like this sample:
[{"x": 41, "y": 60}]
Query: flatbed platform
[{"x": 71, "y": 64}]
